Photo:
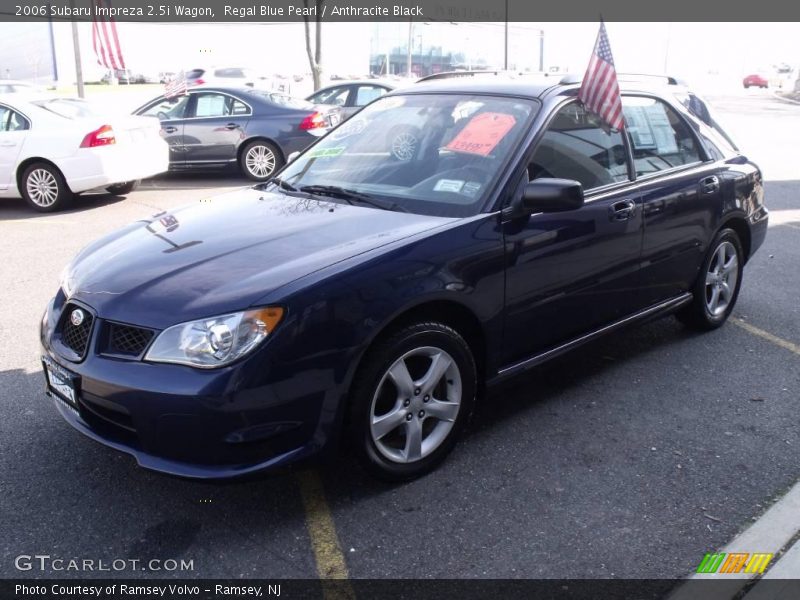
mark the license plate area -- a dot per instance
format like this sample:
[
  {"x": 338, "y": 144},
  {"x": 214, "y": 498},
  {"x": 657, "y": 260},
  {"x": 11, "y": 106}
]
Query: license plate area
[{"x": 61, "y": 383}]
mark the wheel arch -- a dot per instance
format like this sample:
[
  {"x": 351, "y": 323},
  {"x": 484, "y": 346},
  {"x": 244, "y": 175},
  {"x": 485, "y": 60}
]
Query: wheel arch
[
  {"x": 739, "y": 224},
  {"x": 33, "y": 160},
  {"x": 259, "y": 138}
]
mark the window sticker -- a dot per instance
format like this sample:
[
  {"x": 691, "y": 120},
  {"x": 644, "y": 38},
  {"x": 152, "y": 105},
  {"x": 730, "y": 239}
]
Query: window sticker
[
  {"x": 471, "y": 189},
  {"x": 448, "y": 185},
  {"x": 482, "y": 134},
  {"x": 326, "y": 152}
]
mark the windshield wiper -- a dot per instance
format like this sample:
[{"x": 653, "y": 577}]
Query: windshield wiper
[
  {"x": 285, "y": 185},
  {"x": 351, "y": 196}
]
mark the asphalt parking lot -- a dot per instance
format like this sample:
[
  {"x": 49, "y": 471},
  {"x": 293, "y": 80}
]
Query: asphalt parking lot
[{"x": 629, "y": 458}]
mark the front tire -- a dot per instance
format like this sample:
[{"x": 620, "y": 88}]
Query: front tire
[
  {"x": 717, "y": 287},
  {"x": 260, "y": 160},
  {"x": 44, "y": 188},
  {"x": 411, "y": 400},
  {"x": 121, "y": 189}
]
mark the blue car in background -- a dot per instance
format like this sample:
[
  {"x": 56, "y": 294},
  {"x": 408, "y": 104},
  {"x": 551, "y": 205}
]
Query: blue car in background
[
  {"x": 245, "y": 128},
  {"x": 371, "y": 297}
]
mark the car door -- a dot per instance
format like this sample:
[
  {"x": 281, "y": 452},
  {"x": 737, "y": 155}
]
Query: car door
[
  {"x": 171, "y": 112},
  {"x": 680, "y": 192},
  {"x": 13, "y": 131},
  {"x": 569, "y": 273},
  {"x": 360, "y": 96},
  {"x": 215, "y": 126}
]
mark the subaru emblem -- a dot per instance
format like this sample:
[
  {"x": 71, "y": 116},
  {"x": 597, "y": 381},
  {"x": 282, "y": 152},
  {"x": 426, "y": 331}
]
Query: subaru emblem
[{"x": 76, "y": 317}]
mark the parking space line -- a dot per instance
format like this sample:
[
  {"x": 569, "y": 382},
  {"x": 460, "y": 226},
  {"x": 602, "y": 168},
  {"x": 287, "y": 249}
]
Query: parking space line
[
  {"x": 785, "y": 344},
  {"x": 328, "y": 556}
]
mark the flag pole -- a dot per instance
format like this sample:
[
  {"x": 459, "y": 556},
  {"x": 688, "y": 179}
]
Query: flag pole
[{"x": 77, "y": 50}]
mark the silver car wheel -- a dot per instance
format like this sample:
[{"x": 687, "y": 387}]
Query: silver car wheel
[
  {"x": 42, "y": 187},
  {"x": 404, "y": 145},
  {"x": 260, "y": 161},
  {"x": 721, "y": 278},
  {"x": 410, "y": 418}
]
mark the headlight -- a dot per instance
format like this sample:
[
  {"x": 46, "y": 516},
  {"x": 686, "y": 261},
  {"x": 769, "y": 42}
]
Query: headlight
[
  {"x": 216, "y": 341},
  {"x": 65, "y": 282}
]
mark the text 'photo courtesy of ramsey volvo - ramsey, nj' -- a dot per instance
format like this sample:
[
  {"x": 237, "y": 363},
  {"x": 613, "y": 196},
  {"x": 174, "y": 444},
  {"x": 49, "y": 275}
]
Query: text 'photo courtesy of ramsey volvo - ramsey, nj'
[{"x": 448, "y": 236}]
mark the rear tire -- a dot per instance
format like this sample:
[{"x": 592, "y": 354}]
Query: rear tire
[
  {"x": 411, "y": 399},
  {"x": 717, "y": 287},
  {"x": 44, "y": 188},
  {"x": 260, "y": 160},
  {"x": 120, "y": 189}
]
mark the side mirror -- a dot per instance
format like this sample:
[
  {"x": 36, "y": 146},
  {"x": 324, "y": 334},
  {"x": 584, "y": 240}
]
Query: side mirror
[
  {"x": 292, "y": 156},
  {"x": 551, "y": 195}
]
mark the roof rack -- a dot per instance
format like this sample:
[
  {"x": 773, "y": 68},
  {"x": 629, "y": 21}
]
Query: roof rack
[{"x": 573, "y": 78}]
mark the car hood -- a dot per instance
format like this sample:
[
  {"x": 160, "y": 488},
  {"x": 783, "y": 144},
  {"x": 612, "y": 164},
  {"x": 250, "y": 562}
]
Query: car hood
[{"x": 225, "y": 253}]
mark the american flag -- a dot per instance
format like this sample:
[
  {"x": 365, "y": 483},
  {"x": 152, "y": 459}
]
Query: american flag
[
  {"x": 176, "y": 86},
  {"x": 104, "y": 38},
  {"x": 600, "y": 91}
]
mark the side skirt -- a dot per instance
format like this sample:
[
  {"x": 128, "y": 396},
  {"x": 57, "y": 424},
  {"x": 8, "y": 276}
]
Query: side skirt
[{"x": 648, "y": 313}]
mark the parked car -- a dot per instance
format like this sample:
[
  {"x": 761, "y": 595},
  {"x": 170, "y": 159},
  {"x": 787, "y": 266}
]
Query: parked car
[
  {"x": 226, "y": 76},
  {"x": 126, "y": 76},
  {"x": 350, "y": 97},
  {"x": 218, "y": 127},
  {"x": 755, "y": 80},
  {"x": 13, "y": 86},
  {"x": 364, "y": 298},
  {"x": 52, "y": 148}
]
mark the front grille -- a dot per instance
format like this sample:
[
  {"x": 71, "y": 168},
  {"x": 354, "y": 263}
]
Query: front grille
[
  {"x": 76, "y": 337},
  {"x": 125, "y": 339}
]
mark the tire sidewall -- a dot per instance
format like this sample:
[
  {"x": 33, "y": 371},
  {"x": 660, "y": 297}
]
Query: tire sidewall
[
  {"x": 272, "y": 148},
  {"x": 64, "y": 193},
  {"x": 377, "y": 363},
  {"x": 725, "y": 235}
]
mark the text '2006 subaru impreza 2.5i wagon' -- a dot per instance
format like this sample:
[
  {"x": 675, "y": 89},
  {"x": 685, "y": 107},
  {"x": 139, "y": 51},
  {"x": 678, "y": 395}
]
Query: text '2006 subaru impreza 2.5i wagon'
[{"x": 445, "y": 238}]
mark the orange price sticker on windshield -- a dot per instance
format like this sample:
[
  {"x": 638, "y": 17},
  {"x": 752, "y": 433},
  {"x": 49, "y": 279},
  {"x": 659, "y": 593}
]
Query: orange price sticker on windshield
[{"x": 482, "y": 133}]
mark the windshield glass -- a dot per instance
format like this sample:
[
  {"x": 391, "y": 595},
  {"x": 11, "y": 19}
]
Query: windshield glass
[{"x": 434, "y": 154}]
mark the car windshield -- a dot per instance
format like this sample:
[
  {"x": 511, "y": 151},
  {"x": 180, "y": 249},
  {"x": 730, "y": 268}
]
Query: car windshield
[
  {"x": 70, "y": 108},
  {"x": 434, "y": 154}
]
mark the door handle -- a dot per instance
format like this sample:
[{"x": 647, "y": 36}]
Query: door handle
[
  {"x": 170, "y": 129},
  {"x": 709, "y": 185},
  {"x": 622, "y": 210},
  {"x": 230, "y": 126}
]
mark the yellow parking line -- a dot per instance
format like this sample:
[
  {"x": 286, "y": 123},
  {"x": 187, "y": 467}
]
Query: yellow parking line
[
  {"x": 331, "y": 566},
  {"x": 768, "y": 336}
]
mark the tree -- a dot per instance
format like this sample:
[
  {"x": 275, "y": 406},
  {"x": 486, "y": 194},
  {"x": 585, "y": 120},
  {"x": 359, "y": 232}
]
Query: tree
[{"x": 315, "y": 54}]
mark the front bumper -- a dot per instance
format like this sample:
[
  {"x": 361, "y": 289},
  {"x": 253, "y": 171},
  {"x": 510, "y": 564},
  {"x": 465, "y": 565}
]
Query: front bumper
[{"x": 189, "y": 422}]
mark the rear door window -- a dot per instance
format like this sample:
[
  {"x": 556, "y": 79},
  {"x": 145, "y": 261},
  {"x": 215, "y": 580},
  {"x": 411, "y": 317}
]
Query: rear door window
[
  {"x": 660, "y": 139},
  {"x": 367, "y": 93}
]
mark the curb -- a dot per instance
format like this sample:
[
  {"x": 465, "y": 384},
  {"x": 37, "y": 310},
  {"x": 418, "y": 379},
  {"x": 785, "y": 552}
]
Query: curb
[{"x": 769, "y": 534}]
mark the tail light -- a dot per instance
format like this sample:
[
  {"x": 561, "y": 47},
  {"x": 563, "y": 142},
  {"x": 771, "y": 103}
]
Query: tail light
[
  {"x": 313, "y": 121},
  {"x": 198, "y": 81},
  {"x": 99, "y": 137}
]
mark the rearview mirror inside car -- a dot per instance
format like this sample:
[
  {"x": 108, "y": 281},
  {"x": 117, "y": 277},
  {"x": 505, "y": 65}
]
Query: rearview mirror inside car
[{"x": 551, "y": 195}]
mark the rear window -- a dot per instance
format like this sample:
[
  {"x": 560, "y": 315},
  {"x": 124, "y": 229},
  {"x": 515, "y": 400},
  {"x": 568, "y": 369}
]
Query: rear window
[
  {"x": 195, "y": 74},
  {"x": 69, "y": 108},
  {"x": 702, "y": 111},
  {"x": 283, "y": 100},
  {"x": 231, "y": 72}
]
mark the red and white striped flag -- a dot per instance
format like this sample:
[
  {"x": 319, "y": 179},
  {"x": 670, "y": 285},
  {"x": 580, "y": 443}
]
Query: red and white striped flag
[
  {"x": 599, "y": 90},
  {"x": 176, "y": 86},
  {"x": 104, "y": 38}
]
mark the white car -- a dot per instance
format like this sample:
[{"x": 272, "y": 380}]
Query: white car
[{"x": 53, "y": 148}]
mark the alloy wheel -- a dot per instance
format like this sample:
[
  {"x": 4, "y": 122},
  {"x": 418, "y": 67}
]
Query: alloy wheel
[
  {"x": 415, "y": 404},
  {"x": 42, "y": 187},
  {"x": 260, "y": 161},
  {"x": 721, "y": 278}
]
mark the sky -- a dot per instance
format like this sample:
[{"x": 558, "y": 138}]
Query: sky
[{"x": 688, "y": 50}]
